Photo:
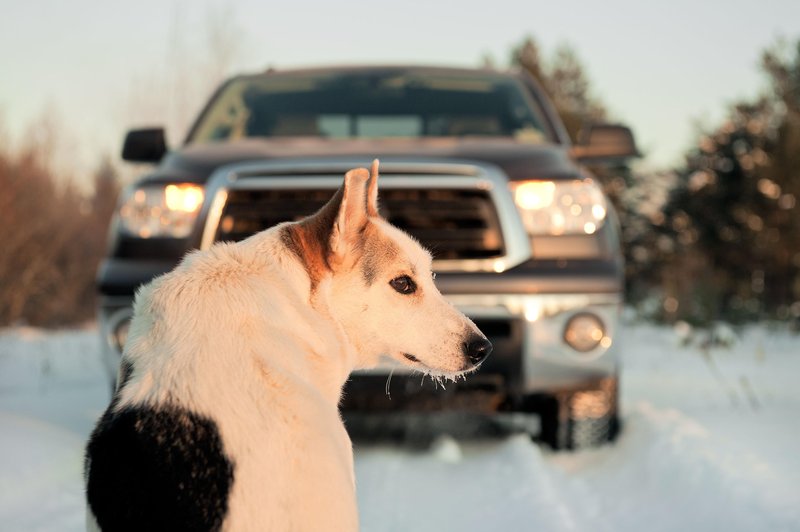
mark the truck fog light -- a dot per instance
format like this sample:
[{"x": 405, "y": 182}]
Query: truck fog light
[{"x": 584, "y": 332}]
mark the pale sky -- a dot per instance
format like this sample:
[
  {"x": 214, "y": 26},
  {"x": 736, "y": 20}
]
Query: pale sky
[{"x": 103, "y": 66}]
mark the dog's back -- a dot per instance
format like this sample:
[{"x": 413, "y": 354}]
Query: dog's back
[{"x": 168, "y": 468}]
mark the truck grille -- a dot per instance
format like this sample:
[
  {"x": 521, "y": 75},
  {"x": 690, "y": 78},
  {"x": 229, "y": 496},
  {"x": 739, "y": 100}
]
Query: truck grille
[{"x": 453, "y": 224}]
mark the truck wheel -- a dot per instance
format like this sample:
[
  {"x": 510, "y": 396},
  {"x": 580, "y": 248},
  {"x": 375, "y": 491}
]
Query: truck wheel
[{"x": 580, "y": 419}]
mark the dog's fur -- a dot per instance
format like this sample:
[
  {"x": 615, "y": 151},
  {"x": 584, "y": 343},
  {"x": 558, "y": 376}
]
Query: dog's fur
[{"x": 225, "y": 416}]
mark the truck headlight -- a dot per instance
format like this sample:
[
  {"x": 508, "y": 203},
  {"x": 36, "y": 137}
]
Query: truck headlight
[
  {"x": 560, "y": 207},
  {"x": 161, "y": 210}
]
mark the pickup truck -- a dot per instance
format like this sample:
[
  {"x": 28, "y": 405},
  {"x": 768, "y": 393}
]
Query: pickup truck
[{"x": 475, "y": 164}]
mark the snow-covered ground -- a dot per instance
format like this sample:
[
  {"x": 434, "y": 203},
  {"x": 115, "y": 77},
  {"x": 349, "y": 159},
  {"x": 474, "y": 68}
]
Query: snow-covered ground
[{"x": 711, "y": 442}]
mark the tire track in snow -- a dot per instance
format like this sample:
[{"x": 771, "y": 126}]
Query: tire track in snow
[
  {"x": 669, "y": 472},
  {"x": 498, "y": 485}
]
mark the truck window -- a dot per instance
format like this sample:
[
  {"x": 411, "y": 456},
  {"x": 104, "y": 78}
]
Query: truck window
[{"x": 394, "y": 104}]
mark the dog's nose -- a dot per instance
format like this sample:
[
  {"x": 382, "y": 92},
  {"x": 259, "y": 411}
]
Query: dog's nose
[{"x": 478, "y": 350}]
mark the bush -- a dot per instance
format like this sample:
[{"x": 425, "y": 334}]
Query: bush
[{"x": 53, "y": 239}]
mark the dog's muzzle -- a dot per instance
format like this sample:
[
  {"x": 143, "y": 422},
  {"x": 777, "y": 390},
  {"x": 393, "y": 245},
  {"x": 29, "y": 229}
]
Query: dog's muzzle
[{"x": 477, "y": 350}]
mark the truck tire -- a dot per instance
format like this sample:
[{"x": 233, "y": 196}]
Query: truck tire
[{"x": 582, "y": 418}]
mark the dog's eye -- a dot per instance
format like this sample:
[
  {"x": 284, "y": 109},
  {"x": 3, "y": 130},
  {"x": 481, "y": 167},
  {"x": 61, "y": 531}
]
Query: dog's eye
[{"x": 403, "y": 284}]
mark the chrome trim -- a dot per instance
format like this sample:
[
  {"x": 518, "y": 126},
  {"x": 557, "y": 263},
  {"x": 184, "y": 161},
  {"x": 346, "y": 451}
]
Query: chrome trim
[
  {"x": 397, "y": 175},
  {"x": 110, "y": 325},
  {"x": 552, "y": 309},
  {"x": 212, "y": 220}
]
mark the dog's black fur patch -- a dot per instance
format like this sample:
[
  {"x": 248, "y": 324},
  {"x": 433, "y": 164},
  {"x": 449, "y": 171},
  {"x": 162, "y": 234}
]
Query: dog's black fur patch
[
  {"x": 161, "y": 468},
  {"x": 125, "y": 374}
]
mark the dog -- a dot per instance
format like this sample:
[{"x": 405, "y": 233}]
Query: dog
[{"x": 226, "y": 410}]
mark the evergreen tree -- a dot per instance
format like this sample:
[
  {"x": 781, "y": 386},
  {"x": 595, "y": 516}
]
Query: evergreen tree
[
  {"x": 565, "y": 81},
  {"x": 736, "y": 204}
]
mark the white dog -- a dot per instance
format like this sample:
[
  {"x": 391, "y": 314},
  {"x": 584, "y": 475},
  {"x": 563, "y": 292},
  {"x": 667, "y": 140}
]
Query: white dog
[{"x": 226, "y": 415}]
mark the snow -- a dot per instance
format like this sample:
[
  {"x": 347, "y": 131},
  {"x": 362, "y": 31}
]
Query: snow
[{"x": 709, "y": 443}]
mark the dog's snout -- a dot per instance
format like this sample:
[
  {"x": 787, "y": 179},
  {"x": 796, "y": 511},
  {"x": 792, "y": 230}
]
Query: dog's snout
[{"x": 477, "y": 350}]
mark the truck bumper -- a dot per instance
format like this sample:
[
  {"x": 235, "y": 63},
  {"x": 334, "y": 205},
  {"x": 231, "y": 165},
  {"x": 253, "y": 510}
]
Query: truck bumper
[
  {"x": 531, "y": 356},
  {"x": 113, "y": 315}
]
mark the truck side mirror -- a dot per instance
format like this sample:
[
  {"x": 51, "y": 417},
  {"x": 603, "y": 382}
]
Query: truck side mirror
[
  {"x": 605, "y": 143},
  {"x": 144, "y": 145}
]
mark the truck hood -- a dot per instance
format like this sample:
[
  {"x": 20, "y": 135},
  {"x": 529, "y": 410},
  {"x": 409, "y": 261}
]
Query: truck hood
[{"x": 519, "y": 160}]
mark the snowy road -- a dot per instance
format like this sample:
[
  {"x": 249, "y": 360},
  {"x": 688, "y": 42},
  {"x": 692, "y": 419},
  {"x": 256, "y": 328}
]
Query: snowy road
[{"x": 710, "y": 443}]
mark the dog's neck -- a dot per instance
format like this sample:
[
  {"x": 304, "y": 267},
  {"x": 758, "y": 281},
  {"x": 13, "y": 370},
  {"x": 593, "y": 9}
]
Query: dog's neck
[{"x": 330, "y": 353}]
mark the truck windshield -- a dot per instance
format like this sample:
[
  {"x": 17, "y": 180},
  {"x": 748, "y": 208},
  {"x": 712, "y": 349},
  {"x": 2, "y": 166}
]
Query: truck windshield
[{"x": 372, "y": 104}]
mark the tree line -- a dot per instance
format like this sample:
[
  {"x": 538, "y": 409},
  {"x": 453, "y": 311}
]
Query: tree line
[{"x": 53, "y": 236}]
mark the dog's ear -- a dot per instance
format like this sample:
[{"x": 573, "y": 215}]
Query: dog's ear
[
  {"x": 372, "y": 191},
  {"x": 352, "y": 216}
]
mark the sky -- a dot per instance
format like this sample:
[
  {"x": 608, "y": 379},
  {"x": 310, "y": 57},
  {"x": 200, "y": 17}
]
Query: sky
[{"x": 96, "y": 68}]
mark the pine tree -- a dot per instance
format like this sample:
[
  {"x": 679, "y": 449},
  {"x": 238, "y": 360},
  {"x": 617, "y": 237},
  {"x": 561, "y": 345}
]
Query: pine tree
[
  {"x": 564, "y": 80},
  {"x": 736, "y": 204}
]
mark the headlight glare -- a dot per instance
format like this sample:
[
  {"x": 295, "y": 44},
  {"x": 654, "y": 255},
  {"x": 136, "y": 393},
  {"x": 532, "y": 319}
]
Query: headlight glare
[
  {"x": 161, "y": 211},
  {"x": 534, "y": 195},
  {"x": 186, "y": 198},
  {"x": 560, "y": 207}
]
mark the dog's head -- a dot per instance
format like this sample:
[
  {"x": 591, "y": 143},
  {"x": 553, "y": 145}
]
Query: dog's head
[{"x": 379, "y": 285}]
